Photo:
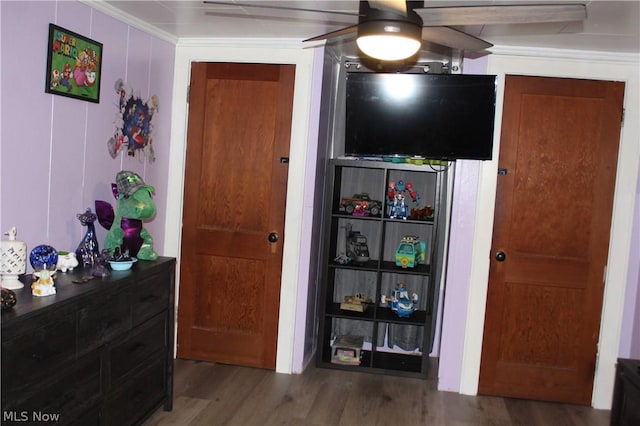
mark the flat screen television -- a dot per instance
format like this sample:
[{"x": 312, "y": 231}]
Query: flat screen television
[{"x": 437, "y": 116}]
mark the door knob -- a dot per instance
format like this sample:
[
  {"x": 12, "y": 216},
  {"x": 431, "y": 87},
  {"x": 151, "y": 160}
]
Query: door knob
[
  {"x": 273, "y": 237},
  {"x": 501, "y": 256}
]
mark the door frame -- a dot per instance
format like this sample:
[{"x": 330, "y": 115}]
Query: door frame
[
  {"x": 622, "y": 220},
  {"x": 303, "y": 142}
]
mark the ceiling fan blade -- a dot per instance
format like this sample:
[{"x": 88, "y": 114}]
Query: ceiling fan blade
[
  {"x": 505, "y": 14},
  {"x": 332, "y": 34},
  {"x": 451, "y": 37},
  {"x": 398, "y": 6},
  {"x": 264, "y": 6}
]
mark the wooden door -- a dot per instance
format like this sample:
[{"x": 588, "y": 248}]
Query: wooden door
[
  {"x": 557, "y": 169},
  {"x": 234, "y": 207}
]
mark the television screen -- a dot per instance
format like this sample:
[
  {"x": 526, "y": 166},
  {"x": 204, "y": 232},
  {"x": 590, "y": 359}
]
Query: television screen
[{"x": 438, "y": 116}]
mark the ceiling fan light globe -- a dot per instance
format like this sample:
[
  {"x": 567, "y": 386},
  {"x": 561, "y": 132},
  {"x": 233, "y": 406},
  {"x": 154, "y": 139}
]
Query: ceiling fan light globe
[
  {"x": 388, "y": 47},
  {"x": 389, "y": 40}
]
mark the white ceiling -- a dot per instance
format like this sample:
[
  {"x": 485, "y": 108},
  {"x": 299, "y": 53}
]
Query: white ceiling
[{"x": 612, "y": 26}]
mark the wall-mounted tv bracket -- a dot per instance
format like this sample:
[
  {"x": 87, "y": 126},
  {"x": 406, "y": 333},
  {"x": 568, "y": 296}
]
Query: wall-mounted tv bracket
[{"x": 424, "y": 67}]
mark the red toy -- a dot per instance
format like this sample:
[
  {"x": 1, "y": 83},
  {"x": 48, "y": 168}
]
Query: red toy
[{"x": 396, "y": 197}]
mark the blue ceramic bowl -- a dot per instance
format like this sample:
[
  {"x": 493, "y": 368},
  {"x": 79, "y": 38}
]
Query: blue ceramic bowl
[{"x": 122, "y": 265}]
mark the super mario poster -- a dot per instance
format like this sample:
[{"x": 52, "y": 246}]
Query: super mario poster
[{"x": 74, "y": 63}]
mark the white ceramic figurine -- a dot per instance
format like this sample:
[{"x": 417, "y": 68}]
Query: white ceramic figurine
[
  {"x": 43, "y": 286},
  {"x": 66, "y": 261}
]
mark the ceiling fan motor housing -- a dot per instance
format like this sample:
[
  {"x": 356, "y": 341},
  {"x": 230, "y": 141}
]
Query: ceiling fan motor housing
[
  {"x": 374, "y": 23},
  {"x": 368, "y": 13}
]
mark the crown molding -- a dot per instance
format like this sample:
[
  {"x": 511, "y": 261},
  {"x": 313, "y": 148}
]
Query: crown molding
[
  {"x": 282, "y": 43},
  {"x": 590, "y": 55}
]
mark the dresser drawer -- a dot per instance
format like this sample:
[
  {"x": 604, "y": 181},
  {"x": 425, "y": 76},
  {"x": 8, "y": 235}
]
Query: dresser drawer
[
  {"x": 149, "y": 298},
  {"x": 68, "y": 393},
  {"x": 31, "y": 353},
  {"x": 135, "y": 351},
  {"x": 136, "y": 397},
  {"x": 103, "y": 319}
]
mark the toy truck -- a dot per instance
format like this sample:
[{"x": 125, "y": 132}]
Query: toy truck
[
  {"x": 360, "y": 205},
  {"x": 411, "y": 252},
  {"x": 357, "y": 248}
]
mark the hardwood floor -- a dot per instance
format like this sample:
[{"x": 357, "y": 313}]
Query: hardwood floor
[{"x": 214, "y": 394}]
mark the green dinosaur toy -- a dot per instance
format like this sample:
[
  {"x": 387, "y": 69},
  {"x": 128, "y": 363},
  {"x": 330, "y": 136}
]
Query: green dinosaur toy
[{"x": 134, "y": 204}]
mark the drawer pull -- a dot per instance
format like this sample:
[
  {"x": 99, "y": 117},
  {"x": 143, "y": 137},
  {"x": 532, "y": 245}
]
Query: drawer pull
[
  {"x": 111, "y": 323},
  {"x": 137, "y": 347}
]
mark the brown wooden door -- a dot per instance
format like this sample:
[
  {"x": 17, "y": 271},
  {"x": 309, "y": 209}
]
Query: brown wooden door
[
  {"x": 558, "y": 156},
  {"x": 234, "y": 197}
]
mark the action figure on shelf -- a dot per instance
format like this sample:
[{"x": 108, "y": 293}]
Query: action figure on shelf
[
  {"x": 396, "y": 199},
  {"x": 361, "y": 209},
  {"x": 398, "y": 209}
]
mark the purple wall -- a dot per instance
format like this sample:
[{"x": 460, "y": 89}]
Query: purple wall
[
  {"x": 630, "y": 334},
  {"x": 463, "y": 216},
  {"x": 454, "y": 314},
  {"x": 305, "y": 331},
  {"x": 632, "y": 314},
  {"x": 54, "y": 161}
]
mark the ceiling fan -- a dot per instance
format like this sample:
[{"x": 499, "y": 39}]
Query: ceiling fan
[{"x": 392, "y": 30}]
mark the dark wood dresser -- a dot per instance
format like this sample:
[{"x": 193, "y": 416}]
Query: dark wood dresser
[
  {"x": 625, "y": 410},
  {"x": 96, "y": 353}
]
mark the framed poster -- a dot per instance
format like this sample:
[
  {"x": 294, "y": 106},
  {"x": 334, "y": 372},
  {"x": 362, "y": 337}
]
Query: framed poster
[{"x": 74, "y": 64}]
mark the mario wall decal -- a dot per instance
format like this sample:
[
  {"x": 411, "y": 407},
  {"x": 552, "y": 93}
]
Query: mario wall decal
[{"x": 133, "y": 124}]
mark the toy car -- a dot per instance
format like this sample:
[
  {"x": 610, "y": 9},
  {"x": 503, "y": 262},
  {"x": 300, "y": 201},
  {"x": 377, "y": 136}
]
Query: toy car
[
  {"x": 347, "y": 350},
  {"x": 424, "y": 213},
  {"x": 411, "y": 252},
  {"x": 360, "y": 205},
  {"x": 399, "y": 301}
]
